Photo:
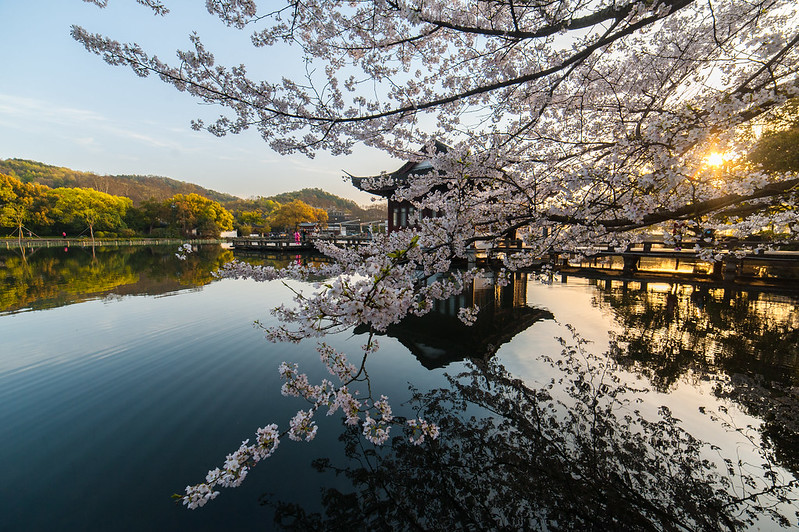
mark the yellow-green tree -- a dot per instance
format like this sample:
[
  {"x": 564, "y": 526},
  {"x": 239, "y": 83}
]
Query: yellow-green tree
[
  {"x": 288, "y": 216},
  {"x": 194, "y": 214},
  {"x": 88, "y": 208},
  {"x": 21, "y": 203}
]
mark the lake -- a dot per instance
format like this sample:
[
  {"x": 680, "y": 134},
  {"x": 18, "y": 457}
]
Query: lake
[{"x": 572, "y": 403}]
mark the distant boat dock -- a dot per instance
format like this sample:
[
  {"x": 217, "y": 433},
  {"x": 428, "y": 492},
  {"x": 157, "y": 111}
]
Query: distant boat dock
[{"x": 289, "y": 245}]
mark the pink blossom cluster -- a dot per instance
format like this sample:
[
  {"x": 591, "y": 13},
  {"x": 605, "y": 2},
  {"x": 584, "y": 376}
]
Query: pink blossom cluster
[
  {"x": 375, "y": 421},
  {"x": 235, "y": 469},
  {"x": 302, "y": 426}
]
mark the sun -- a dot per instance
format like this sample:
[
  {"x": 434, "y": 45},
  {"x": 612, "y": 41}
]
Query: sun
[{"x": 715, "y": 159}]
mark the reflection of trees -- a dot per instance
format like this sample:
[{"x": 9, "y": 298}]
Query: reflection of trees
[
  {"x": 749, "y": 341},
  {"x": 52, "y": 277},
  {"x": 573, "y": 454},
  {"x": 777, "y": 405},
  {"x": 279, "y": 259},
  {"x": 671, "y": 329}
]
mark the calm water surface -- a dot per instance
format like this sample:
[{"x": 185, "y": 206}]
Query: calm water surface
[{"x": 125, "y": 374}]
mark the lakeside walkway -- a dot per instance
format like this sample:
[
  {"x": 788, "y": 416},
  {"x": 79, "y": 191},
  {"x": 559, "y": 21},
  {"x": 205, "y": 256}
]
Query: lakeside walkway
[{"x": 58, "y": 242}]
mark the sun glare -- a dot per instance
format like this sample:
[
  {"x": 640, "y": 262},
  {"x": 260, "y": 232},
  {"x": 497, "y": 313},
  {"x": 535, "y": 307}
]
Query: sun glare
[{"x": 715, "y": 159}]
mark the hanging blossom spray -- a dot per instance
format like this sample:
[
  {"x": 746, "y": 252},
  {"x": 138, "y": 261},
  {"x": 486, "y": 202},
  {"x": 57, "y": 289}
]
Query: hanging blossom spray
[{"x": 379, "y": 299}]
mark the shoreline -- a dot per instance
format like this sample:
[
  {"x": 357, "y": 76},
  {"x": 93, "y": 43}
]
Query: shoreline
[{"x": 44, "y": 242}]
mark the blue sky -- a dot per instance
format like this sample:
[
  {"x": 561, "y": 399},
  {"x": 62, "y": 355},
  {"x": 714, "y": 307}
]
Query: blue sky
[{"x": 63, "y": 106}]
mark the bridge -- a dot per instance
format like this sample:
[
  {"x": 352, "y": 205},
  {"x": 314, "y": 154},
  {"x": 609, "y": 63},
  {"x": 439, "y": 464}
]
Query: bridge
[
  {"x": 643, "y": 258},
  {"x": 653, "y": 257}
]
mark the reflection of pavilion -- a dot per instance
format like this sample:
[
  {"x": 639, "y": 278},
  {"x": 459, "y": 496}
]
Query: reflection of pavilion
[{"x": 439, "y": 337}]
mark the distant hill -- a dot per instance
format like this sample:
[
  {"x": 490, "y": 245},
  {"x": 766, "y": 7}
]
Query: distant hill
[
  {"x": 318, "y": 198},
  {"x": 136, "y": 187},
  {"x": 346, "y": 209},
  {"x": 143, "y": 187},
  {"x": 331, "y": 203}
]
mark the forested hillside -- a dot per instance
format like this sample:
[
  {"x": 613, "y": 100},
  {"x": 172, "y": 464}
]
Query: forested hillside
[
  {"x": 140, "y": 188},
  {"x": 136, "y": 187},
  {"x": 318, "y": 198},
  {"x": 331, "y": 203}
]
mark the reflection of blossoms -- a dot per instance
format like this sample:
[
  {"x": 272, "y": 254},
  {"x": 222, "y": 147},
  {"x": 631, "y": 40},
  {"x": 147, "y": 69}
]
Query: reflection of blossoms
[{"x": 421, "y": 428}]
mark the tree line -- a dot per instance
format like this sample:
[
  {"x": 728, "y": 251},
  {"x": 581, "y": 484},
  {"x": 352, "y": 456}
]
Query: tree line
[
  {"x": 136, "y": 187},
  {"x": 32, "y": 209}
]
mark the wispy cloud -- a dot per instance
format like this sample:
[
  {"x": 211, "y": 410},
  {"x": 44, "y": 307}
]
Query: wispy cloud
[
  {"x": 80, "y": 125},
  {"x": 22, "y": 108},
  {"x": 84, "y": 141}
]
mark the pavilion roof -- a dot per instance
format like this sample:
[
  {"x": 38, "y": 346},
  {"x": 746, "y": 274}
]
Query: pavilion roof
[{"x": 385, "y": 183}]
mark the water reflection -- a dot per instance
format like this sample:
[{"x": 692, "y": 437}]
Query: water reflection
[
  {"x": 281, "y": 259},
  {"x": 578, "y": 453},
  {"x": 440, "y": 338},
  {"x": 747, "y": 342},
  {"x": 51, "y": 277},
  {"x": 671, "y": 329},
  {"x": 574, "y": 454}
]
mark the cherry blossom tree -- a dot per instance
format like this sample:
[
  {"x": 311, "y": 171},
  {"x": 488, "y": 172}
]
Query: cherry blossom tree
[
  {"x": 570, "y": 124},
  {"x": 590, "y": 118}
]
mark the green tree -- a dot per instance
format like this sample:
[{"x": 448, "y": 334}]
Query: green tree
[
  {"x": 147, "y": 216},
  {"x": 194, "y": 214},
  {"x": 248, "y": 221},
  {"x": 85, "y": 207},
  {"x": 778, "y": 151},
  {"x": 288, "y": 216}
]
